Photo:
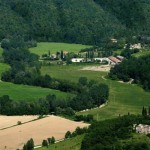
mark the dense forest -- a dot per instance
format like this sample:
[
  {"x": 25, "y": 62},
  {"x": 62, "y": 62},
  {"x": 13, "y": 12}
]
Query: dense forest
[
  {"x": 133, "y": 68},
  {"x": 87, "y": 22},
  {"x": 110, "y": 134}
]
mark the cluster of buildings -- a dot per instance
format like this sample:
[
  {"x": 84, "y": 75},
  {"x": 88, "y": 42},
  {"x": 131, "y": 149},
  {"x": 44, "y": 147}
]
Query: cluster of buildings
[{"x": 111, "y": 60}]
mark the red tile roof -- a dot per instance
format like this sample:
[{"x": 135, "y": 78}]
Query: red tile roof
[{"x": 114, "y": 59}]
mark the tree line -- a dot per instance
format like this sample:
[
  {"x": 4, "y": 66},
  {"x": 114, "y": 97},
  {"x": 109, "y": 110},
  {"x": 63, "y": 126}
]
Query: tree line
[
  {"x": 109, "y": 134},
  {"x": 133, "y": 68}
]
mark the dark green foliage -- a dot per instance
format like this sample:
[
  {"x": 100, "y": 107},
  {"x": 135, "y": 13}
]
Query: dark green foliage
[
  {"x": 144, "y": 111},
  {"x": 88, "y": 118},
  {"x": 135, "y": 68},
  {"x": 68, "y": 135},
  {"x": 29, "y": 145},
  {"x": 45, "y": 143},
  {"x": 52, "y": 140},
  {"x": 74, "y": 21},
  {"x": 107, "y": 134}
]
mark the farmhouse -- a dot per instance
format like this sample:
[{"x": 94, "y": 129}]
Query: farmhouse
[
  {"x": 77, "y": 59},
  {"x": 113, "y": 60},
  {"x": 142, "y": 128},
  {"x": 121, "y": 58}
]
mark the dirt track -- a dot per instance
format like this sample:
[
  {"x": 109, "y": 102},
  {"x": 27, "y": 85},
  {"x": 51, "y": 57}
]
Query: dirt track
[{"x": 15, "y": 137}]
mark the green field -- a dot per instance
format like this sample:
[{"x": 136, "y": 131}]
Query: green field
[
  {"x": 28, "y": 93},
  {"x": 1, "y": 51},
  {"x": 24, "y": 92},
  {"x": 3, "y": 67},
  {"x": 142, "y": 53},
  {"x": 123, "y": 97},
  {"x": 70, "y": 144},
  {"x": 45, "y": 47}
]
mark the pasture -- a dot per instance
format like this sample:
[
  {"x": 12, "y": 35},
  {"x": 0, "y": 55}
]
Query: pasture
[
  {"x": 38, "y": 130},
  {"x": 25, "y": 92},
  {"x": 143, "y": 52},
  {"x": 28, "y": 93},
  {"x": 1, "y": 51},
  {"x": 123, "y": 97},
  {"x": 45, "y": 47},
  {"x": 3, "y": 68}
]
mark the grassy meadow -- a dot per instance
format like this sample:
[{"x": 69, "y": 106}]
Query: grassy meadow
[
  {"x": 123, "y": 97},
  {"x": 1, "y": 51},
  {"x": 28, "y": 93},
  {"x": 45, "y": 47},
  {"x": 143, "y": 52},
  {"x": 3, "y": 67},
  {"x": 25, "y": 92},
  {"x": 70, "y": 144}
]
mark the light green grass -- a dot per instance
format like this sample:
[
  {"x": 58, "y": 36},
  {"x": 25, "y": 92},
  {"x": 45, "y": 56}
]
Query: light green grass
[
  {"x": 136, "y": 139},
  {"x": 123, "y": 97},
  {"x": 3, "y": 68},
  {"x": 28, "y": 93},
  {"x": 70, "y": 144},
  {"x": 45, "y": 47},
  {"x": 1, "y": 51},
  {"x": 142, "y": 53},
  {"x": 24, "y": 92}
]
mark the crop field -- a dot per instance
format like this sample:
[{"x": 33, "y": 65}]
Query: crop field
[
  {"x": 38, "y": 130},
  {"x": 123, "y": 97},
  {"x": 69, "y": 144},
  {"x": 9, "y": 121},
  {"x": 45, "y": 47}
]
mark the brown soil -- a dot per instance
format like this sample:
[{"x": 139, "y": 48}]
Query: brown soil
[{"x": 15, "y": 137}]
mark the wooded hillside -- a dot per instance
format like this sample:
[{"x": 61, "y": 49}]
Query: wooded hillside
[{"x": 74, "y": 21}]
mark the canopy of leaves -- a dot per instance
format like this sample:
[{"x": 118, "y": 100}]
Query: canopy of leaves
[{"x": 87, "y": 22}]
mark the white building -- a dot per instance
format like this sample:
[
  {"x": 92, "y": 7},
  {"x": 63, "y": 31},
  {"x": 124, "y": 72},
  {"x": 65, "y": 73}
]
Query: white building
[
  {"x": 77, "y": 59},
  {"x": 142, "y": 128}
]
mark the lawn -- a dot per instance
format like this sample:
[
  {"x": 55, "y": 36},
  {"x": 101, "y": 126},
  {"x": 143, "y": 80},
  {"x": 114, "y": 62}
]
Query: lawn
[
  {"x": 123, "y": 97},
  {"x": 70, "y": 144},
  {"x": 45, "y": 47}
]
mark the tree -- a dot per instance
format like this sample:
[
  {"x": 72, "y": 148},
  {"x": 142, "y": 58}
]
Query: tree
[
  {"x": 83, "y": 81},
  {"x": 62, "y": 55},
  {"x": 68, "y": 135},
  {"x": 52, "y": 140},
  {"x": 29, "y": 145},
  {"x": 144, "y": 111},
  {"x": 149, "y": 110},
  {"x": 45, "y": 143}
]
